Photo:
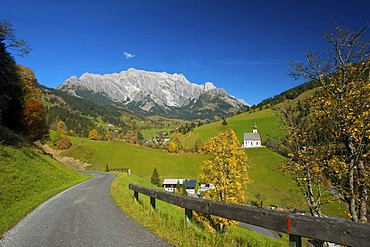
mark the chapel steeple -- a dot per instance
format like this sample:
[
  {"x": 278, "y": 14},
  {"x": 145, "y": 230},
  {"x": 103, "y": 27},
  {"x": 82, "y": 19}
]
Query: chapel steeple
[{"x": 255, "y": 128}]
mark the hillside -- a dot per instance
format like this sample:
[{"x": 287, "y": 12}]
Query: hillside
[
  {"x": 82, "y": 115},
  {"x": 267, "y": 122},
  {"x": 27, "y": 179},
  {"x": 278, "y": 189}
]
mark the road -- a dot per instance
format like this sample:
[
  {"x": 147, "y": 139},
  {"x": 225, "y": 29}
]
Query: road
[
  {"x": 260, "y": 230},
  {"x": 84, "y": 215}
]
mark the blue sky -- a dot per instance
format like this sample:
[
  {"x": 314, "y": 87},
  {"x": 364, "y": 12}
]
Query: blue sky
[{"x": 242, "y": 46}]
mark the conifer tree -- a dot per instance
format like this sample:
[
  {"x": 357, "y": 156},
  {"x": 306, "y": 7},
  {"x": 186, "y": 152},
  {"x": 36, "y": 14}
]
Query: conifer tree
[{"x": 155, "y": 179}]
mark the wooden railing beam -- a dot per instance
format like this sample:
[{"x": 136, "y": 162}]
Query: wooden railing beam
[{"x": 327, "y": 229}]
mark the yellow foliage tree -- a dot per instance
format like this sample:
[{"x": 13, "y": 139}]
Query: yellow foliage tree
[
  {"x": 109, "y": 135},
  {"x": 93, "y": 134},
  {"x": 172, "y": 148},
  {"x": 303, "y": 163},
  {"x": 343, "y": 107},
  {"x": 227, "y": 170}
]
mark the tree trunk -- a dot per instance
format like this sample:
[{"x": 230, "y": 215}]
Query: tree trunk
[
  {"x": 363, "y": 192},
  {"x": 351, "y": 197}
]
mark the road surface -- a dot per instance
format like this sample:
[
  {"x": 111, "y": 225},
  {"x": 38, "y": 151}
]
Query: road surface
[
  {"x": 260, "y": 230},
  {"x": 84, "y": 215}
]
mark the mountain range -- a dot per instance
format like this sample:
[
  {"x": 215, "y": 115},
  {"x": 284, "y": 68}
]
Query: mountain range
[{"x": 155, "y": 93}]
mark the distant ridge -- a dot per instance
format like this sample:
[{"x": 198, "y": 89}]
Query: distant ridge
[{"x": 155, "y": 93}]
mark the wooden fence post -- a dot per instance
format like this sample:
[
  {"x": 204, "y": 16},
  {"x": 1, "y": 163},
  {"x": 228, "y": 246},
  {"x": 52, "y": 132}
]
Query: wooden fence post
[
  {"x": 188, "y": 214},
  {"x": 152, "y": 203},
  {"x": 295, "y": 241},
  {"x": 136, "y": 195}
]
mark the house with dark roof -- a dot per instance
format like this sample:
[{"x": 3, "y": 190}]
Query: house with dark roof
[
  {"x": 170, "y": 184},
  {"x": 252, "y": 140}
]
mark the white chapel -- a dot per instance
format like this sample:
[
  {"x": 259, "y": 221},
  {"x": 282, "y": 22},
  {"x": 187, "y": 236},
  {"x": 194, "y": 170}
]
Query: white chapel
[{"x": 252, "y": 140}]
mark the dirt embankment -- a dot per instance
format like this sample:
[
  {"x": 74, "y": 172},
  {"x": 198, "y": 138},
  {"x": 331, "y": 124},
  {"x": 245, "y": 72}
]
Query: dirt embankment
[{"x": 56, "y": 154}]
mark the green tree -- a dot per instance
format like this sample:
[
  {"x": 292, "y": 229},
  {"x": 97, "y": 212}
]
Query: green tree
[
  {"x": 343, "y": 107},
  {"x": 224, "y": 123},
  {"x": 11, "y": 93},
  {"x": 227, "y": 169},
  {"x": 155, "y": 179}
]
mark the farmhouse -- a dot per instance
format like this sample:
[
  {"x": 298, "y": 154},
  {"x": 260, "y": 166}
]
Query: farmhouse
[
  {"x": 170, "y": 184},
  {"x": 205, "y": 187},
  {"x": 253, "y": 139}
]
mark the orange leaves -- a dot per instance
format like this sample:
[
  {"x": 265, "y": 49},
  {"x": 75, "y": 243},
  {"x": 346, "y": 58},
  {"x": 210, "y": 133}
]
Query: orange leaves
[
  {"x": 29, "y": 81},
  {"x": 33, "y": 118}
]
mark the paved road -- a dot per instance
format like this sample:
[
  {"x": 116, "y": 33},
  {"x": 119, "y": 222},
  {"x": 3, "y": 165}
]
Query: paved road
[
  {"x": 84, "y": 215},
  {"x": 260, "y": 230}
]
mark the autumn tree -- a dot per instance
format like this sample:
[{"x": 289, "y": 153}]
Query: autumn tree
[
  {"x": 227, "y": 169},
  {"x": 343, "y": 106},
  {"x": 33, "y": 113},
  {"x": 59, "y": 137},
  {"x": 93, "y": 134},
  {"x": 172, "y": 148},
  {"x": 176, "y": 140},
  {"x": 109, "y": 135},
  {"x": 33, "y": 119},
  {"x": 155, "y": 179},
  {"x": 303, "y": 164}
]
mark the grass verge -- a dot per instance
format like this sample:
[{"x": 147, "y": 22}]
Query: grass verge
[
  {"x": 27, "y": 179},
  {"x": 168, "y": 221}
]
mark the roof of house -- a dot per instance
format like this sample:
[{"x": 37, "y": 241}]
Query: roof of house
[
  {"x": 252, "y": 137},
  {"x": 190, "y": 183},
  {"x": 173, "y": 181}
]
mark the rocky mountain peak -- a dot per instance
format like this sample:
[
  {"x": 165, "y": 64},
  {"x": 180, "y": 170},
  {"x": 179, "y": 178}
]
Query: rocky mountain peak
[{"x": 148, "y": 91}]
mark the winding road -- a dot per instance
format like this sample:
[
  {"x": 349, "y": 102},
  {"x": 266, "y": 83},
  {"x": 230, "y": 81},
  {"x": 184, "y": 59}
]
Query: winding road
[{"x": 84, "y": 215}]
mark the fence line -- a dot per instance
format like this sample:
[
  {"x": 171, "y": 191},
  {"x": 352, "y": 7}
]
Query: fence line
[{"x": 297, "y": 226}]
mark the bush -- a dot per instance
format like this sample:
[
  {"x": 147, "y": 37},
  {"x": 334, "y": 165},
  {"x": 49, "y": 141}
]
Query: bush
[{"x": 9, "y": 137}]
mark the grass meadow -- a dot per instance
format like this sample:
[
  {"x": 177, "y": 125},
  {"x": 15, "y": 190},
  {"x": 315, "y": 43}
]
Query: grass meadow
[
  {"x": 268, "y": 180},
  {"x": 27, "y": 179},
  {"x": 267, "y": 122}
]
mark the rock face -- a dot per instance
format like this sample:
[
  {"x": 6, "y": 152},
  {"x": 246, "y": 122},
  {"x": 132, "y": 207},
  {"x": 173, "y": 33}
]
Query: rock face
[{"x": 154, "y": 93}]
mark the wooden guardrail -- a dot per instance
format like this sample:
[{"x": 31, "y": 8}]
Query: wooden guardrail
[
  {"x": 326, "y": 229},
  {"x": 121, "y": 170}
]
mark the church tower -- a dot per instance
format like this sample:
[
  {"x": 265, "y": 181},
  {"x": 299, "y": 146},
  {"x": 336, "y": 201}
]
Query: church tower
[{"x": 255, "y": 128}]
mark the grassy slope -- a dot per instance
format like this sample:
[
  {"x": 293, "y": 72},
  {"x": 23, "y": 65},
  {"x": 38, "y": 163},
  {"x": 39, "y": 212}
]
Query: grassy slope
[
  {"x": 141, "y": 160},
  {"x": 28, "y": 178},
  {"x": 268, "y": 180},
  {"x": 266, "y": 120},
  {"x": 273, "y": 186}
]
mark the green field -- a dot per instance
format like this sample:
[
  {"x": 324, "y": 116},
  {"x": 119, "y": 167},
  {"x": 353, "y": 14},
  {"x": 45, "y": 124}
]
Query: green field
[
  {"x": 141, "y": 160},
  {"x": 27, "y": 179},
  {"x": 267, "y": 122}
]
